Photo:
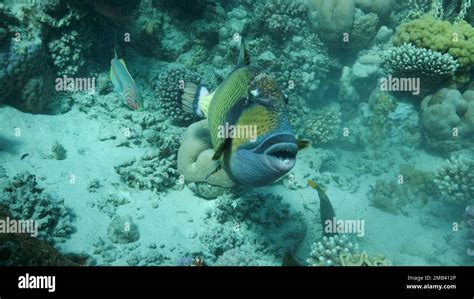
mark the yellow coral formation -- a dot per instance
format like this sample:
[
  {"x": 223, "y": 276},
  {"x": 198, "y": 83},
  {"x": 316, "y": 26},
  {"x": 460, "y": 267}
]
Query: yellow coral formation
[
  {"x": 363, "y": 259},
  {"x": 195, "y": 158},
  {"x": 456, "y": 39}
]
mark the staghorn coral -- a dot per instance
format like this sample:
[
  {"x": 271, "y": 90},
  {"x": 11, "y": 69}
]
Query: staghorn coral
[
  {"x": 195, "y": 158},
  {"x": 26, "y": 200},
  {"x": 170, "y": 86},
  {"x": 409, "y": 60},
  {"x": 455, "y": 179},
  {"x": 327, "y": 251}
]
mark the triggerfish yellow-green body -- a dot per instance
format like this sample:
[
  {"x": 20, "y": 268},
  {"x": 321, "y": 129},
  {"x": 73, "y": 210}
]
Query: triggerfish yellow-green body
[
  {"x": 124, "y": 84},
  {"x": 248, "y": 122}
]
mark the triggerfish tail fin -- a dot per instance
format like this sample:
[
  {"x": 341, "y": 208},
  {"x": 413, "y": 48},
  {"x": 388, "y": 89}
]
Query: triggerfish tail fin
[
  {"x": 244, "y": 55},
  {"x": 325, "y": 207},
  {"x": 195, "y": 99}
]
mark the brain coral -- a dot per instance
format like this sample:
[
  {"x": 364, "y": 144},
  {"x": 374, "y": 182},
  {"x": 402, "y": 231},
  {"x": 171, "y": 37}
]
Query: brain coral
[
  {"x": 195, "y": 157},
  {"x": 457, "y": 39}
]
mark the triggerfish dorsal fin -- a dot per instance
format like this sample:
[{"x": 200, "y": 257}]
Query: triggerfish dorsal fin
[{"x": 244, "y": 55}]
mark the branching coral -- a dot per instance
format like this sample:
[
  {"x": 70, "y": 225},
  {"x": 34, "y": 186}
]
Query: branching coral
[
  {"x": 410, "y": 60},
  {"x": 154, "y": 170},
  {"x": 327, "y": 251},
  {"x": 322, "y": 126},
  {"x": 455, "y": 179},
  {"x": 262, "y": 220},
  {"x": 69, "y": 53},
  {"x": 170, "y": 88},
  {"x": 283, "y": 18},
  {"x": 441, "y": 36}
]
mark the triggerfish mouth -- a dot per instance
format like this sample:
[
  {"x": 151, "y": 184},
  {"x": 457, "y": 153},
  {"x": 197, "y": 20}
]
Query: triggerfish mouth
[
  {"x": 248, "y": 121},
  {"x": 124, "y": 84}
]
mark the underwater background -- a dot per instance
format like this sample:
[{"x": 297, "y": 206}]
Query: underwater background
[{"x": 98, "y": 148}]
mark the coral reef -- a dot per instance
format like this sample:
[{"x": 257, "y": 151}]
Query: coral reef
[
  {"x": 282, "y": 19},
  {"x": 195, "y": 158},
  {"x": 26, "y": 200},
  {"x": 322, "y": 126},
  {"x": 408, "y": 192},
  {"x": 170, "y": 87},
  {"x": 206, "y": 190},
  {"x": 332, "y": 17},
  {"x": 262, "y": 220},
  {"x": 69, "y": 53},
  {"x": 469, "y": 212},
  {"x": 24, "y": 71},
  {"x": 409, "y": 60},
  {"x": 428, "y": 32},
  {"x": 363, "y": 259},
  {"x": 123, "y": 230},
  {"x": 155, "y": 170},
  {"x": 327, "y": 252},
  {"x": 24, "y": 250},
  {"x": 447, "y": 119},
  {"x": 455, "y": 179},
  {"x": 342, "y": 24}
]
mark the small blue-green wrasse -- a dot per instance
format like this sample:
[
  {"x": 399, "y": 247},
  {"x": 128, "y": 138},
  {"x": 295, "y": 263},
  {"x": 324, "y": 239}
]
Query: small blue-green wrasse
[{"x": 124, "y": 84}]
